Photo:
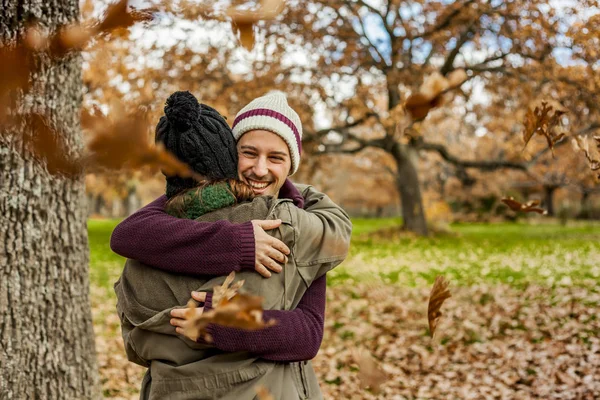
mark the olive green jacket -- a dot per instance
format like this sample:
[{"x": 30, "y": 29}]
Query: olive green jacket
[{"x": 318, "y": 238}]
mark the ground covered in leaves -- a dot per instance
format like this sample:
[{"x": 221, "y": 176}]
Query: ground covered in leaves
[{"x": 500, "y": 338}]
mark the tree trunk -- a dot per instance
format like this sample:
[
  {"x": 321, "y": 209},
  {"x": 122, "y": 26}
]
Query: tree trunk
[
  {"x": 46, "y": 336},
  {"x": 132, "y": 202},
  {"x": 585, "y": 208},
  {"x": 407, "y": 180},
  {"x": 549, "y": 199}
]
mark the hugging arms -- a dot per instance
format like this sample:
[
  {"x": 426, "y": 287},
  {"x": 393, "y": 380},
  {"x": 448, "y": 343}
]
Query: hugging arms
[{"x": 183, "y": 246}]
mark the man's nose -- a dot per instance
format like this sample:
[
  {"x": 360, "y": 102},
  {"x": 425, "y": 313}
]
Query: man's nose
[{"x": 260, "y": 167}]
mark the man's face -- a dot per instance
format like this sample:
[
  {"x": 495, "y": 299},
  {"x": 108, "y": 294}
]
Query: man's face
[{"x": 264, "y": 161}]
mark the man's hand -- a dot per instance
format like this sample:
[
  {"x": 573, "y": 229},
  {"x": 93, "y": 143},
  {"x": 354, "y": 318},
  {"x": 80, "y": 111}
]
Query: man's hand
[
  {"x": 182, "y": 319},
  {"x": 269, "y": 251}
]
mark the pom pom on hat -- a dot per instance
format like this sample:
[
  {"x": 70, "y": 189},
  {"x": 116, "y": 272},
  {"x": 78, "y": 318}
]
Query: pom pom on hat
[{"x": 182, "y": 108}]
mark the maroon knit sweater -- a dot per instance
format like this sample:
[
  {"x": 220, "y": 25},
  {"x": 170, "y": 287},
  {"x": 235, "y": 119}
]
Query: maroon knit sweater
[{"x": 185, "y": 246}]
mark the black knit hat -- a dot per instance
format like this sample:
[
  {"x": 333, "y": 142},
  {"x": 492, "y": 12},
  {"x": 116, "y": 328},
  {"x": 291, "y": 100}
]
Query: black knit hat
[{"x": 200, "y": 137}]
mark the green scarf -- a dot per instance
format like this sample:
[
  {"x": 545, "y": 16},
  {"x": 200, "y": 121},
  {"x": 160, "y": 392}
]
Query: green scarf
[{"x": 198, "y": 202}]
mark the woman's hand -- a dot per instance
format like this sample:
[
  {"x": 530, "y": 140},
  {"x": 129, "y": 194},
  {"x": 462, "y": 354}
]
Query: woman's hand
[{"x": 183, "y": 318}]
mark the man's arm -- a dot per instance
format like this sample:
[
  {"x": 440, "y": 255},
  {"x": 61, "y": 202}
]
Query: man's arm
[{"x": 296, "y": 336}]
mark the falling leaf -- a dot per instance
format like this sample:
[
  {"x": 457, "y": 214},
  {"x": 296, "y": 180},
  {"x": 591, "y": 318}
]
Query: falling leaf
[
  {"x": 243, "y": 21},
  {"x": 581, "y": 144},
  {"x": 116, "y": 16},
  {"x": 418, "y": 105},
  {"x": 226, "y": 291},
  {"x": 231, "y": 309},
  {"x": 439, "y": 293},
  {"x": 433, "y": 86},
  {"x": 543, "y": 121},
  {"x": 432, "y": 93},
  {"x": 245, "y": 30},
  {"x": 531, "y": 206},
  {"x": 14, "y": 71},
  {"x": 123, "y": 144},
  {"x": 371, "y": 375}
]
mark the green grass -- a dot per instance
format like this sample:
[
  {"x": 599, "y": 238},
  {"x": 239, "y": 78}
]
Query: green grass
[
  {"x": 516, "y": 254},
  {"x": 105, "y": 266}
]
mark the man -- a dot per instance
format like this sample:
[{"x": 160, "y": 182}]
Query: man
[{"x": 268, "y": 134}]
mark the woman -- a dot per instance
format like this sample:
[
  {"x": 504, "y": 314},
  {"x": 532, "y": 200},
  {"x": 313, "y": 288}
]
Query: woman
[{"x": 237, "y": 360}]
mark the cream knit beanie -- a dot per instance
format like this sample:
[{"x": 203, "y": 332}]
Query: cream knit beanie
[{"x": 272, "y": 113}]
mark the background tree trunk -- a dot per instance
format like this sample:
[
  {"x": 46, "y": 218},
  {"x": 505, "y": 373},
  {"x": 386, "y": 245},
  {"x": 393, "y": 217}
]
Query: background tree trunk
[
  {"x": 407, "y": 180},
  {"x": 46, "y": 338},
  {"x": 549, "y": 199}
]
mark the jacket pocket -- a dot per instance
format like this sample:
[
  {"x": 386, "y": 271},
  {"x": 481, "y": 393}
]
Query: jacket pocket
[{"x": 300, "y": 380}]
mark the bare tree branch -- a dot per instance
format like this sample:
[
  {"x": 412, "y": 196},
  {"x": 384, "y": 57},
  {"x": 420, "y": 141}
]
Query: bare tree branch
[
  {"x": 339, "y": 148},
  {"x": 364, "y": 32},
  {"x": 449, "y": 63},
  {"x": 484, "y": 165},
  {"x": 322, "y": 132}
]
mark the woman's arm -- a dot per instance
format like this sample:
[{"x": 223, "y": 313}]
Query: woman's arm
[
  {"x": 184, "y": 246},
  {"x": 296, "y": 336}
]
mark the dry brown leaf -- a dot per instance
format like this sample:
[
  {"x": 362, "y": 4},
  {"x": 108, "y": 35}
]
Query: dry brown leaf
[
  {"x": 263, "y": 393},
  {"x": 116, "y": 16},
  {"x": 245, "y": 30},
  {"x": 242, "y": 21},
  {"x": 439, "y": 294},
  {"x": 543, "y": 121},
  {"x": 371, "y": 375},
  {"x": 581, "y": 144},
  {"x": 123, "y": 144},
  {"x": 530, "y": 206},
  {"x": 418, "y": 105},
  {"x": 45, "y": 145},
  {"x": 227, "y": 290},
  {"x": 231, "y": 309},
  {"x": 14, "y": 72},
  {"x": 432, "y": 93},
  {"x": 434, "y": 85}
]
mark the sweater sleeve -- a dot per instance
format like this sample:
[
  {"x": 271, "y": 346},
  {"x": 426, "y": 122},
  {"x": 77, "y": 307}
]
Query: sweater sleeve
[
  {"x": 296, "y": 336},
  {"x": 184, "y": 246}
]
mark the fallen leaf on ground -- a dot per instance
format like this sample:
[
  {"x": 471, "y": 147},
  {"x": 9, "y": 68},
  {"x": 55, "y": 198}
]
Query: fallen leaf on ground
[{"x": 371, "y": 375}]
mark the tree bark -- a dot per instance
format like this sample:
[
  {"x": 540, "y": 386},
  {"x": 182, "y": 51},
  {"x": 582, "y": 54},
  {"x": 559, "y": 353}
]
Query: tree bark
[
  {"x": 407, "y": 180},
  {"x": 46, "y": 338}
]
